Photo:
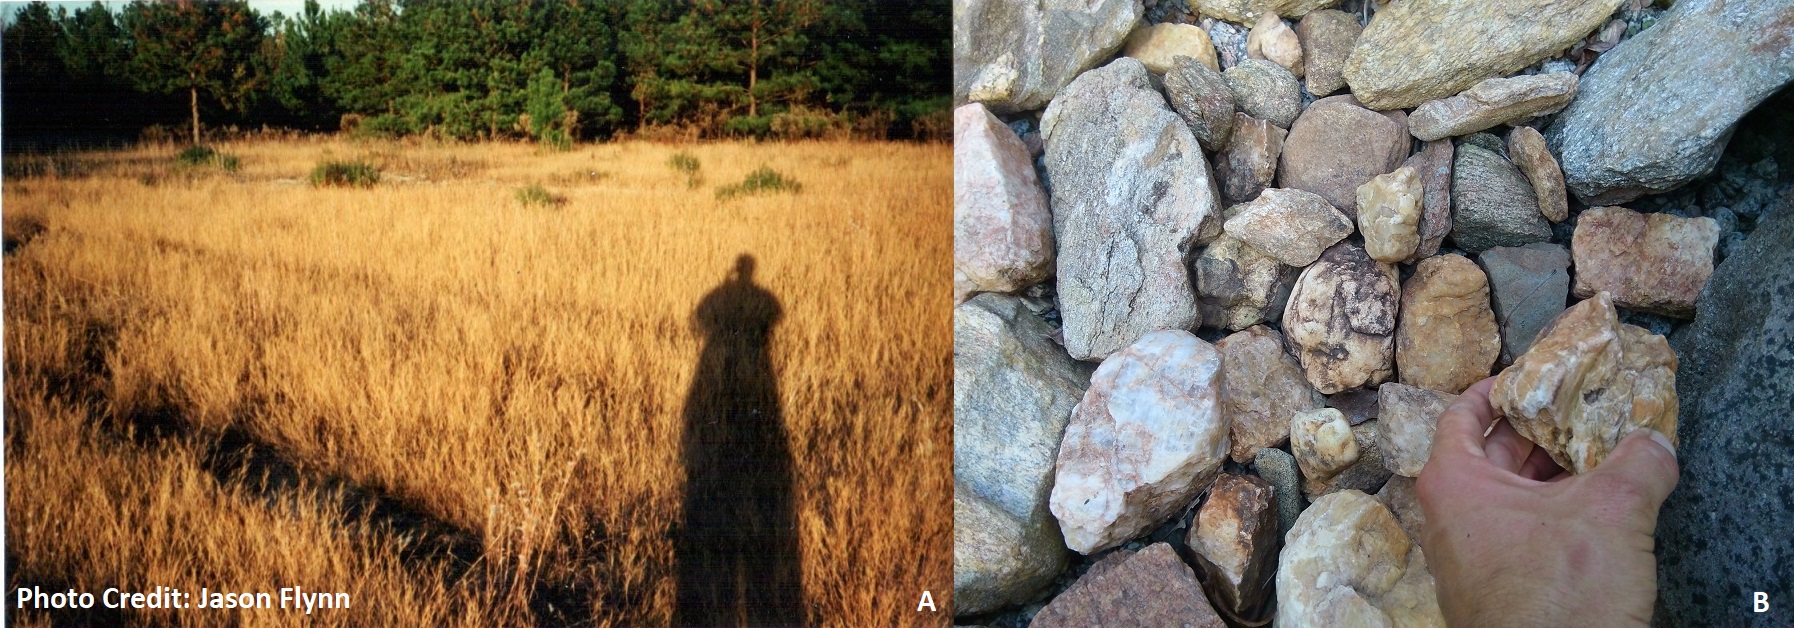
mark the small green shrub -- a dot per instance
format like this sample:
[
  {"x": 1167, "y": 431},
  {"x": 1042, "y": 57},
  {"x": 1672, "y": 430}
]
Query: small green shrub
[
  {"x": 345, "y": 174},
  {"x": 535, "y": 194},
  {"x": 762, "y": 179},
  {"x": 199, "y": 156},
  {"x": 687, "y": 165}
]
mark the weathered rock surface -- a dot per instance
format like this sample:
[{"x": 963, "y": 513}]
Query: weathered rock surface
[
  {"x": 1336, "y": 146},
  {"x": 1349, "y": 563},
  {"x": 1147, "y": 437},
  {"x": 1447, "y": 338},
  {"x": 1014, "y": 56},
  {"x": 1247, "y": 11},
  {"x": 1588, "y": 382},
  {"x": 1131, "y": 194},
  {"x": 1261, "y": 388},
  {"x": 1013, "y": 391},
  {"x": 1279, "y": 468},
  {"x": 1273, "y": 40},
  {"x": 1405, "y": 424},
  {"x": 1322, "y": 442},
  {"x": 1433, "y": 164},
  {"x": 1327, "y": 39},
  {"x": 1703, "y": 66},
  {"x": 1492, "y": 204},
  {"x": 1266, "y": 91},
  {"x": 1002, "y": 228},
  {"x": 1151, "y": 587},
  {"x": 1399, "y": 497},
  {"x": 1293, "y": 226},
  {"x": 1653, "y": 262},
  {"x": 1203, "y": 99},
  {"x": 1358, "y": 404},
  {"x": 1389, "y": 215},
  {"x": 1529, "y": 286},
  {"x": 1366, "y": 474},
  {"x": 1158, "y": 45},
  {"x": 1235, "y": 540},
  {"x": 1526, "y": 147},
  {"x": 1249, "y": 164},
  {"x": 1239, "y": 286},
  {"x": 1492, "y": 102},
  {"x": 1340, "y": 321},
  {"x": 1726, "y": 526},
  {"x": 1413, "y": 52}
]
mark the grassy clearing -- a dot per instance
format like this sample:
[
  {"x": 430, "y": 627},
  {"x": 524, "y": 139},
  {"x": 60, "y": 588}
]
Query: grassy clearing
[{"x": 762, "y": 179}]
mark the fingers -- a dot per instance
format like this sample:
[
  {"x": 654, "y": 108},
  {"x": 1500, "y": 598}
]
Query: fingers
[
  {"x": 1539, "y": 466},
  {"x": 1645, "y": 462},
  {"x": 1462, "y": 425},
  {"x": 1506, "y": 448}
]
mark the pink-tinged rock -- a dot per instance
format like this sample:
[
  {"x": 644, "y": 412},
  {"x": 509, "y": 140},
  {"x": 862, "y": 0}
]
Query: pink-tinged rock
[
  {"x": 1336, "y": 146},
  {"x": 1235, "y": 540},
  {"x": 1261, "y": 387},
  {"x": 1002, "y": 227},
  {"x": 1293, "y": 226},
  {"x": 1249, "y": 164},
  {"x": 1147, "y": 438},
  {"x": 1493, "y": 102},
  {"x": 1349, "y": 563},
  {"x": 1151, "y": 587},
  {"x": 1340, "y": 321},
  {"x": 1433, "y": 164},
  {"x": 1274, "y": 41},
  {"x": 1406, "y": 421},
  {"x": 1526, "y": 148},
  {"x": 1447, "y": 338},
  {"x": 1327, "y": 39},
  {"x": 1653, "y": 262},
  {"x": 1587, "y": 382}
]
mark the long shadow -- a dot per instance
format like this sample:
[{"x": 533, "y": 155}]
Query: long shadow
[{"x": 738, "y": 558}]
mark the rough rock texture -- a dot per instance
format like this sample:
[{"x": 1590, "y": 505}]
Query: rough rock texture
[
  {"x": 1279, "y": 468},
  {"x": 1447, "y": 338},
  {"x": 1230, "y": 42},
  {"x": 1653, "y": 262},
  {"x": 1526, "y": 147},
  {"x": 1130, "y": 192},
  {"x": 1247, "y": 11},
  {"x": 1433, "y": 164},
  {"x": 1413, "y": 52},
  {"x": 1158, "y": 45},
  {"x": 1491, "y": 203},
  {"x": 1002, "y": 227},
  {"x": 1366, "y": 474},
  {"x": 1340, "y": 321},
  {"x": 1151, "y": 587},
  {"x": 1322, "y": 443},
  {"x": 1239, "y": 286},
  {"x": 1405, "y": 424},
  {"x": 1529, "y": 286},
  {"x": 1336, "y": 146},
  {"x": 1389, "y": 215},
  {"x": 1265, "y": 90},
  {"x": 1250, "y": 163},
  {"x": 1349, "y": 563},
  {"x": 1725, "y": 529},
  {"x": 1358, "y": 404},
  {"x": 1261, "y": 388},
  {"x": 1703, "y": 66},
  {"x": 1293, "y": 226},
  {"x": 1147, "y": 437},
  {"x": 1273, "y": 40},
  {"x": 1492, "y": 102},
  {"x": 1327, "y": 39},
  {"x": 1399, "y": 497},
  {"x": 1203, "y": 99},
  {"x": 1013, "y": 390},
  {"x": 1235, "y": 540},
  {"x": 1587, "y": 382},
  {"x": 1014, "y": 56}
]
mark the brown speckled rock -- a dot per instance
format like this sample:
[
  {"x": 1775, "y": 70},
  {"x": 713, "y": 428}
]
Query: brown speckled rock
[
  {"x": 1249, "y": 164},
  {"x": 1273, "y": 40},
  {"x": 1526, "y": 147},
  {"x": 1389, "y": 215},
  {"x": 1340, "y": 321},
  {"x": 1433, "y": 164},
  {"x": 1293, "y": 226},
  {"x": 1405, "y": 424},
  {"x": 1002, "y": 228},
  {"x": 1447, "y": 338},
  {"x": 1327, "y": 39},
  {"x": 1589, "y": 381},
  {"x": 1261, "y": 387},
  {"x": 1492, "y": 102},
  {"x": 1652, "y": 262},
  {"x": 1336, "y": 146},
  {"x": 1247, "y": 11},
  {"x": 1203, "y": 99},
  {"x": 1348, "y": 562},
  {"x": 1151, "y": 587},
  {"x": 1158, "y": 45},
  {"x": 1235, "y": 540},
  {"x": 1238, "y": 286}
]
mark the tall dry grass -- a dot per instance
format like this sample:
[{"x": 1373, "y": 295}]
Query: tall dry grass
[{"x": 458, "y": 407}]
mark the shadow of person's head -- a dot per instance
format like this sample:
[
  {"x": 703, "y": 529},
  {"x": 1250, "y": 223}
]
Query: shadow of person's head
[{"x": 744, "y": 269}]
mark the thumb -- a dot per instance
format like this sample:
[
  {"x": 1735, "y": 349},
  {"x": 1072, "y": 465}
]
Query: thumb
[{"x": 1646, "y": 462}]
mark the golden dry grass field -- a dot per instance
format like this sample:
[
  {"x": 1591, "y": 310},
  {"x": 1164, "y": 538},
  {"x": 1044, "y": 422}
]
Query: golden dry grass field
[{"x": 459, "y": 408}]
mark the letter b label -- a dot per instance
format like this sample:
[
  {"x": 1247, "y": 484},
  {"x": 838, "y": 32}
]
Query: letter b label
[{"x": 1761, "y": 603}]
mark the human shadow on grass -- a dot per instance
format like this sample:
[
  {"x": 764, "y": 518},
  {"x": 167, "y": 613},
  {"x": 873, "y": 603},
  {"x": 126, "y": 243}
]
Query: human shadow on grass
[{"x": 738, "y": 559}]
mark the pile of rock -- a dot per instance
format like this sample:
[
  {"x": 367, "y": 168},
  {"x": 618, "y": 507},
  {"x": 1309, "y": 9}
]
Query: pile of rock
[{"x": 1281, "y": 285}]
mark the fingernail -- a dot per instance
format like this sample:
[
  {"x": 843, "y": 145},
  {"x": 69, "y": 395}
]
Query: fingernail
[{"x": 1662, "y": 440}]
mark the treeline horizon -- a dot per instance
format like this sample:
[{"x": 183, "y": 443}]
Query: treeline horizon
[{"x": 550, "y": 71}]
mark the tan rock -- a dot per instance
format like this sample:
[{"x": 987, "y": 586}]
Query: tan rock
[
  {"x": 1272, "y": 40},
  {"x": 1587, "y": 382},
  {"x": 1238, "y": 286},
  {"x": 1492, "y": 102},
  {"x": 1322, "y": 442},
  {"x": 1340, "y": 321},
  {"x": 1406, "y": 420},
  {"x": 1293, "y": 226},
  {"x": 1447, "y": 338},
  {"x": 1158, "y": 45},
  {"x": 1349, "y": 563},
  {"x": 1261, "y": 387},
  {"x": 1249, "y": 164},
  {"x": 1151, "y": 587},
  {"x": 1433, "y": 164},
  {"x": 1247, "y": 11},
  {"x": 1367, "y": 473},
  {"x": 1327, "y": 39},
  {"x": 1002, "y": 228},
  {"x": 1336, "y": 146},
  {"x": 1235, "y": 540},
  {"x": 1399, "y": 497},
  {"x": 1526, "y": 148},
  {"x": 1653, "y": 262},
  {"x": 1389, "y": 215}
]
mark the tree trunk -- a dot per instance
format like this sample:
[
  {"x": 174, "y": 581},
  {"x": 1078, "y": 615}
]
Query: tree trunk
[
  {"x": 193, "y": 102},
  {"x": 753, "y": 64}
]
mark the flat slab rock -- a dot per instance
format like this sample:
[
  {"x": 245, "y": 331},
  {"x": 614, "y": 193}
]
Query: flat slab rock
[
  {"x": 1492, "y": 102},
  {"x": 1002, "y": 227},
  {"x": 1014, "y": 56},
  {"x": 1151, "y": 587},
  {"x": 1248, "y": 11},
  {"x": 1530, "y": 285},
  {"x": 1652, "y": 262},
  {"x": 1348, "y": 562},
  {"x": 1433, "y": 163}
]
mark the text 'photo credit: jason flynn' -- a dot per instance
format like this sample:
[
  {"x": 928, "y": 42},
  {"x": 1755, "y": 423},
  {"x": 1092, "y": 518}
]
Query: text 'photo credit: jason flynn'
[{"x": 477, "y": 313}]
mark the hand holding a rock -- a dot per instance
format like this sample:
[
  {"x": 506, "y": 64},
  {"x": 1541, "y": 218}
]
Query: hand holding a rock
[{"x": 1513, "y": 539}]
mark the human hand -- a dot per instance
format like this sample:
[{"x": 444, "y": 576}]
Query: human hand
[{"x": 1514, "y": 540}]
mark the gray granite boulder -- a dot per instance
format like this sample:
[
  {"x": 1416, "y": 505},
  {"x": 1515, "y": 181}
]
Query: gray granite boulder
[{"x": 1014, "y": 56}]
